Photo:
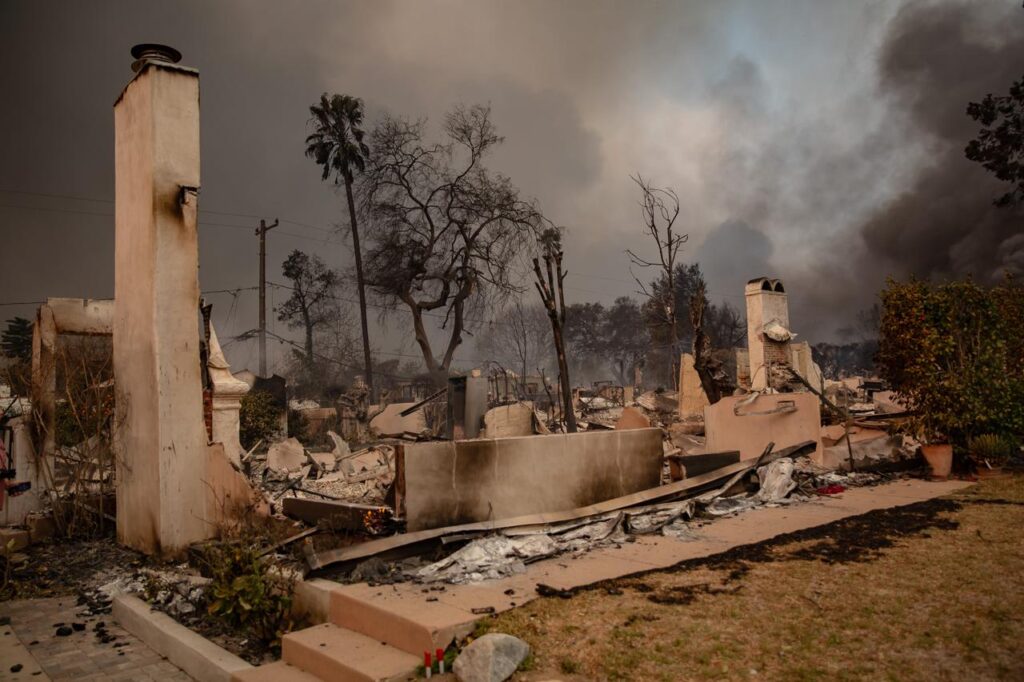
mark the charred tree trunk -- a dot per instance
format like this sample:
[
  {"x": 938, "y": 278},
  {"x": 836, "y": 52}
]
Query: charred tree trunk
[
  {"x": 702, "y": 361},
  {"x": 554, "y": 303},
  {"x": 360, "y": 284}
]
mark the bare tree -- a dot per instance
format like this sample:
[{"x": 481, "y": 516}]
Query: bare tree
[
  {"x": 554, "y": 302},
  {"x": 519, "y": 339},
  {"x": 659, "y": 209},
  {"x": 446, "y": 234}
]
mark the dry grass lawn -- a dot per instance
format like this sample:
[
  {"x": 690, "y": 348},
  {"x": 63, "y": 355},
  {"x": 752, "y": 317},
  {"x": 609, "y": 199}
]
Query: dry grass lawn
[{"x": 931, "y": 592}]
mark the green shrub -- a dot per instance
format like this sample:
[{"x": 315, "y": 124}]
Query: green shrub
[
  {"x": 249, "y": 591},
  {"x": 994, "y": 448},
  {"x": 259, "y": 418},
  {"x": 954, "y": 353}
]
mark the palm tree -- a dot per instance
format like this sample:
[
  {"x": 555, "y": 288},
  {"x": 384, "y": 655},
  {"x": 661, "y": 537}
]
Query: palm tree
[{"x": 336, "y": 143}]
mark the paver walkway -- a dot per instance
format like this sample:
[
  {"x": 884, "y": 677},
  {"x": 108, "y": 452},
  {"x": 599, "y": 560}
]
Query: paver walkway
[{"x": 30, "y": 640}]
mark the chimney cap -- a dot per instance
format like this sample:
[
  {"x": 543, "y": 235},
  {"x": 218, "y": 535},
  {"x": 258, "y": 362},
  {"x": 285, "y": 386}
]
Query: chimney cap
[{"x": 155, "y": 52}]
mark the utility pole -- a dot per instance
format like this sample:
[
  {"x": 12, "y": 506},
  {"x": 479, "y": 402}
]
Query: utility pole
[{"x": 261, "y": 231}]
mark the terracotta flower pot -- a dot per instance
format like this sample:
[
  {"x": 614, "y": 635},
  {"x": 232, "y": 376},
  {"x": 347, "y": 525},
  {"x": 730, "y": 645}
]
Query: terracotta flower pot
[
  {"x": 985, "y": 473},
  {"x": 940, "y": 459}
]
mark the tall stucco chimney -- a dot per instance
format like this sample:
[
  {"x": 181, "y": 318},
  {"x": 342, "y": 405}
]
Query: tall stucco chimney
[
  {"x": 767, "y": 310},
  {"x": 160, "y": 438}
]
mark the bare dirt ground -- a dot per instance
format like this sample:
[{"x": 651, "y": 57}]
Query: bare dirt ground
[{"x": 933, "y": 591}]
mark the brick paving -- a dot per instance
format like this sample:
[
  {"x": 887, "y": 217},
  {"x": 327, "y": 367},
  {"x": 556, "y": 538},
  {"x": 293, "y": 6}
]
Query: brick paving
[{"x": 81, "y": 655}]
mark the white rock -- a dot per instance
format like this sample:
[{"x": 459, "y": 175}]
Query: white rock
[
  {"x": 286, "y": 456},
  {"x": 491, "y": 658}
]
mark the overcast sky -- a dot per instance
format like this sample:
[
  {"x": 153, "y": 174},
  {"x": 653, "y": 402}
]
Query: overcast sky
[{"x": 815, "y": 141}]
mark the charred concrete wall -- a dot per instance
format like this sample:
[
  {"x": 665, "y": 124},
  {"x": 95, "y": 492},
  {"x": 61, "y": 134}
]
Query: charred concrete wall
[
  {"x": 739, "y": 423},
  {"x": 452, "y": 482}
]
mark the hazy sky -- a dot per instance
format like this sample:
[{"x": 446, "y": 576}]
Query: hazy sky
[{"x": 816, "y": 141}]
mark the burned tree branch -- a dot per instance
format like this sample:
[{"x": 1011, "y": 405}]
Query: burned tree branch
[{"x": 554, "y": 303}]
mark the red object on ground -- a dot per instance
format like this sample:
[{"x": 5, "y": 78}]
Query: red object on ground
[
  {"x": 427, "y": 665},
  {"x": 833, "y": 489},
  {"x": 439, "y": 654}
]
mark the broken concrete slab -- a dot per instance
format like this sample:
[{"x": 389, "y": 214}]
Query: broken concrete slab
[
  {"x": 390, "y": 424},
  {"x": 286, "y": 456},
  {"x": 748, "y": 423},
  {"x": 446, "y": 483},
  {"x": 506, "y": 421}
]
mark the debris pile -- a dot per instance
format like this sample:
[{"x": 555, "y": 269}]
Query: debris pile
[
  {"x": 493, "y": 550},
  {"x": 288, "y": 468}
]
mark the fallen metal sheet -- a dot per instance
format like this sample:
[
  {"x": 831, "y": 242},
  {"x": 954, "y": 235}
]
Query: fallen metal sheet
[
  {"x": 730, "y": 505},
  {"x": 652, "y": 519},
  {"x": 652, "y": 495},
  {"x": 491, "y": 557},
  {"x": 499, "y": 555}
]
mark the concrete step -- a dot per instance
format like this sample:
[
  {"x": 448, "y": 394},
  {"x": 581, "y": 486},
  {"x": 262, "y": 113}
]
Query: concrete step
[
  {"x": 413, "y": 625},
  {"x": 335, "y": 654},
  {"x": 274, "y": 672}
]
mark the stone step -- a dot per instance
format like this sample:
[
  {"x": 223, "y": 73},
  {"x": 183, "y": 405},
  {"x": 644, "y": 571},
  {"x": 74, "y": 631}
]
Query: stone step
[
  {"x": 413, "y": 625},
  {"x": 274, "y": 672},
  {"x": 335, "y": 654}
]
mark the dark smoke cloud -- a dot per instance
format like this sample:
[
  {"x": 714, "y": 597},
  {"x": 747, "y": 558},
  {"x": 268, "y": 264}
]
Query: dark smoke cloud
[
  {"x": 783, "y": 127},
  {"x": 729, "y": 244},
  {"x": 935, "y": 60}
]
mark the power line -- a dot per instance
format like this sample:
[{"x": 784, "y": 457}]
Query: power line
[
  {"x": 111, "y": 201},
  {"x": 204, "y": 293}
]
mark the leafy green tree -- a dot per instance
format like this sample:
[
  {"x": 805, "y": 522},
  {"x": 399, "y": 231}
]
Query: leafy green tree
[
  {"x": 259, "y": 418},
  {"x": 723, "y": 324},
  {"x": 954, "y": 353},
  {"x": 625, "y": 338},
  {"x": 999, "y": 146},
  {"x": 16, "y": 340},
  {"x": 336, "y": 144},
  {"x": 313, "y": 302}
]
